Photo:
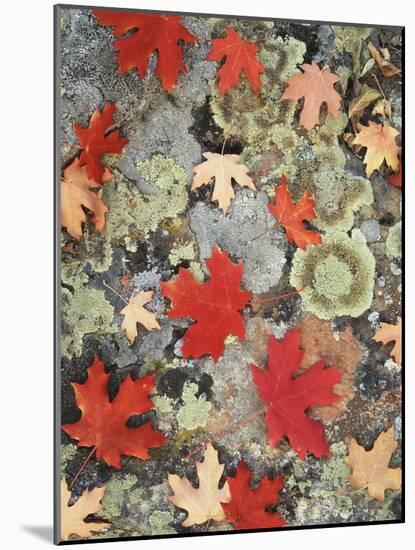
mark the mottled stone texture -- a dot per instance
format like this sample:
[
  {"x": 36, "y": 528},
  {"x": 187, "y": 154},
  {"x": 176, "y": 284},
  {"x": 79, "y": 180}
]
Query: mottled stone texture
[{"x": 156, "y": 225}]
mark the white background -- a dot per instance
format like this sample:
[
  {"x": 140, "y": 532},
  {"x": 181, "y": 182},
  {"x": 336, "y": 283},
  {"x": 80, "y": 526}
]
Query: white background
[{"x": 26, "y": 231}]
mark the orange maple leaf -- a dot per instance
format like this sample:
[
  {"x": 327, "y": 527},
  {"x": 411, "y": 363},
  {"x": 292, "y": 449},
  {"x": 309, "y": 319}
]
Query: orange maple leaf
[
  {"x": 240, "y": 56},
  {"x": 316, "y": 86},
  {"x": 77, "y": 194},
  {"x": 291, "y": 216},
  {"x": 380, "y": 142},
  {"x": 95, "y": 141},
  {"x": 396, "y": 179}
]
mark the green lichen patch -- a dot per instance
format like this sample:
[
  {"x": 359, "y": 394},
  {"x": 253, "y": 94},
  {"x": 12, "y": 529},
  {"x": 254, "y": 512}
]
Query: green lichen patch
[
  {"x": 160, "y": 523},
  {"x": 350, "y": 39},
  {"x": 195, "y": 411},
  {"x": 394, "y": 241},
  {"x": 338, "y": 195},
  {"x": 337, "y": 277},
  {"x": 83, "y": 312},
  {"x": 336, "y": 471},
  {"x": 118, "y": 489}
]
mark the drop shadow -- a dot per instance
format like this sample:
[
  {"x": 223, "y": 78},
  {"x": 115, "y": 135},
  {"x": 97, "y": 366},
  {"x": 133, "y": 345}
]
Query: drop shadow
[{"x": 42, "y": 532}]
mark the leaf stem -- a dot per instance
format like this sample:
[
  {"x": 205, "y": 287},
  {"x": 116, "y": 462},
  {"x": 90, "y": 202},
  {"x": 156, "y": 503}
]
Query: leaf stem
[
  {"x": 278, "y": 297},
  {"x": 379, "y": 86},
  {"x": 115, "y": 292},
  {"x": 85, "y": 462}
]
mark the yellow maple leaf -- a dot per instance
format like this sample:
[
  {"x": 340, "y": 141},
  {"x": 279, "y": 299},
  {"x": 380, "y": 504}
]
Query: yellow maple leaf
[
  {"x": 72, "y": 517},
  {"x": 135, "y": 313},
  {"x": 76, "y": 192},
  {"x": 370, "y": 469},
  {"x": 204, "y": 503},
  {"x": 223, "y": 168},
  {"x": 391, "y": 333},
  {"x": 381, "y": 145}
]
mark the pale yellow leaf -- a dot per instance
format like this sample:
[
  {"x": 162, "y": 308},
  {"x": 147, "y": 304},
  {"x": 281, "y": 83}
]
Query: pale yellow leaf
[
  {"x": 391, "y": 333},
  {"x": 72, "y": 517},
  {"x": 135, "y": 313},
  {"x": 204, "y": 503},
  {"x": 223, "y": 168},
  {"x": 380, "y": 141},
  {"x": 370, "y": 469}
]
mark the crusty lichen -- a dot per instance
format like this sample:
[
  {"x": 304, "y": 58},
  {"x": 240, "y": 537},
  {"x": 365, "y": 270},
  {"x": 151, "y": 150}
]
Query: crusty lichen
[
  {"x": 195, "y": 410},
  {"x": 119, "y": 487},
  {"x": 83, "y": 312},
  {"x": 338, "y": 195},
  {"x": 336, "y": 277},
  {"x": 160, "y": 523},
  {"x": 394, "y": 241},
  {"x": 351, "y": 40},
  {"x": 336, "y": 471}
]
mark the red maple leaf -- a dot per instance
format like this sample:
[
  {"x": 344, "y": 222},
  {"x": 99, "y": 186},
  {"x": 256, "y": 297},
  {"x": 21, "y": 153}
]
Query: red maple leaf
[
  {"x": 153, "y": 32},
  {"x": 396, "y": 179},
  {"x": 291, "y": 216},
  {"x": 96, "y": 141},
  {"x": 103, "y": 422},
  {"x": 288, "y": 397},
  {"x": 240, "y": 56},
  {"x": 214, "y": 305},
  {"x": 247, "y": 506}
]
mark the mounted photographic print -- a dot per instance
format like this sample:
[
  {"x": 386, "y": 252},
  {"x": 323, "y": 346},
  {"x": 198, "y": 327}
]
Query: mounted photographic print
[{"x": 229, "y": 274}]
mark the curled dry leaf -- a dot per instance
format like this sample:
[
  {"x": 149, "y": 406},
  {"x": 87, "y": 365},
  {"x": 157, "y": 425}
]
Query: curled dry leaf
[
  {"x": 316, "y": 86},
  {"x": 391, "y": 333},
  {"x": 291, "y": 216},
  {"x": 72, "y": 517},
  {"x": 240, "y": 57},
  {"x": 382, "y": 108},
  {"x": 370, "y": 469},
  {"x": 366, "y": 96},
  {"x": 380, "y": 143},
  {"x": 77, "y": 194},
  {"x": 223, "y": 168},
  {"x": 148, "y": 32},
  {"x": 387, "y": 68},
  {"x": 204, "y": 503},
  {"x": 135, "y": 313}
]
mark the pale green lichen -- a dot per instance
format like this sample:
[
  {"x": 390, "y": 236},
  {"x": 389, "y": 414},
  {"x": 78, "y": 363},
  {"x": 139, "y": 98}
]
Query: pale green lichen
[
  {"x": 118, "y": 490},
  {"x": 336, "y": 277},
  {"x": 160, "y": 523},
  {"x": 298, "y": 478},
  {"x": 163, "y": 403},
  {"x": 351, "y": 39},
  {"x": 394, "y": 241},
  {"x": 338, "y": 195},
  {"x": 68, "y": 451},
  {"x": 180, "y": 253},
  {"x": 83, "y": 312},
  {"x": 336, "y": 471},
  {"x": 195, "y": 411}
]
